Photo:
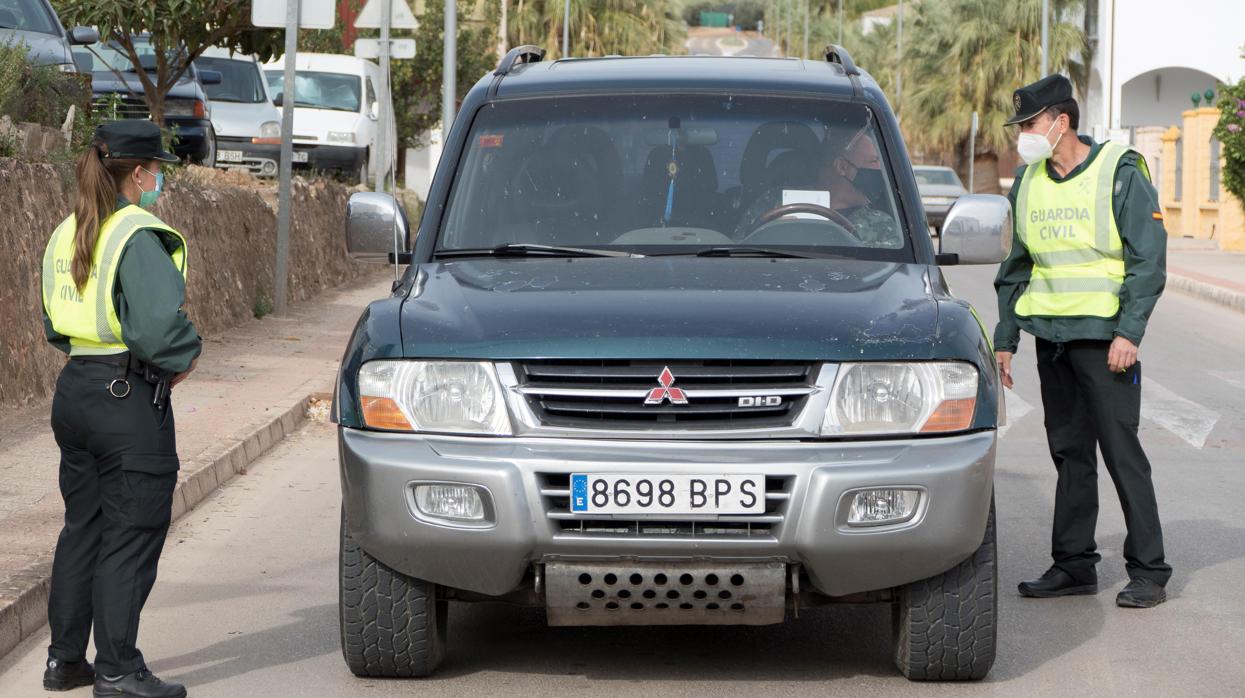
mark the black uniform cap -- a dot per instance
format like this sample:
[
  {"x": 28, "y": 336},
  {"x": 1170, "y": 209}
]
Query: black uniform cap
[
  {"x": 1032, "y": 100},
  {"x": 136, "y": 139}
]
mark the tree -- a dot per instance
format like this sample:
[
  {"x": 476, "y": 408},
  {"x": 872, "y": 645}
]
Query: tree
[
  {"x": 180, "y": 30},
  {"x": 600, "y": 27}
]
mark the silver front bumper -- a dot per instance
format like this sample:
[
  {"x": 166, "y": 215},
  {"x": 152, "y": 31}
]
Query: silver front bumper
[{"x": 955, "y": 475}]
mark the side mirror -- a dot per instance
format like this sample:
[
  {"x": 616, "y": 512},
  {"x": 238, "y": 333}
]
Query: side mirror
[
  {"x": 977, "y": 230},
  {"x": 376, "y": 227},
  {"x": 373, "y": 111},
  {"x": 279, "y": 100},
  {"x": 210, "y": 77},
  {"x": 81, "y": 36}
]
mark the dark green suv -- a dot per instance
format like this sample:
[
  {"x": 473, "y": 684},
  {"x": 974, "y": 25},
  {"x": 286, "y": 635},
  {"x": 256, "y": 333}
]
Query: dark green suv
[{"x": 671, "y": 346}]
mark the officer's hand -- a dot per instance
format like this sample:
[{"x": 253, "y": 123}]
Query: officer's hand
[
  {"x": 1122, "y": 356},
  {"x": 185, "y": 374},
  {"x": 1005, "y": 367}
]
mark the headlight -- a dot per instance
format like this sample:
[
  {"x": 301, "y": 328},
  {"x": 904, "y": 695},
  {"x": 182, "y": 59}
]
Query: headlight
[
  {"x": 67, "y": 67},
  {"x": 340, "y": 137},
  {"x": 458, "y": 397},
  {"x": 185, "y": 107},
  {"x": 901, "y": 398},
  {"x": 270, "y": 129}
]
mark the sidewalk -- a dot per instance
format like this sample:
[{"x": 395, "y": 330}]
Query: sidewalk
[
  {"x": 1200, "y": 268},
  {"x": 251, "y": 388}
]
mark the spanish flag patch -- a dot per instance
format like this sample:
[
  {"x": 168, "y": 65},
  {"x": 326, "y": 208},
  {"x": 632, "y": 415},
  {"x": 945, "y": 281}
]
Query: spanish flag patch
[{"x": 1157, "y": 215}]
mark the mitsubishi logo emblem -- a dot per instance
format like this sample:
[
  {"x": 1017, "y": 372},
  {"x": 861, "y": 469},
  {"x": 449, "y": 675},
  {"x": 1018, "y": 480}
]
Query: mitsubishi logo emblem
[{"x": 656, "y": 396}]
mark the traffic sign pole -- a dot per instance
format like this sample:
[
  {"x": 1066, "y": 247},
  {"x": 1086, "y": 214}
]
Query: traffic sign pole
[
  {"x": 288, "y": 101},
  {"x": 382, "y": 137}
]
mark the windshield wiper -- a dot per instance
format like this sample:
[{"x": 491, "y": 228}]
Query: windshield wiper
[
  {"x": 525, "y": 249},
  {"x": 751, "y": 252}
]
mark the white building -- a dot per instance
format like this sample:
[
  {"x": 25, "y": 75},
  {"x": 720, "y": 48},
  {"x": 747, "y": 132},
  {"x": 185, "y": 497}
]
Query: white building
[{"x": 1150, "y": 56}]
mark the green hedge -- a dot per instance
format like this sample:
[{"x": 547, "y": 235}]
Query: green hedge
[{"x": 42, "y": 94}]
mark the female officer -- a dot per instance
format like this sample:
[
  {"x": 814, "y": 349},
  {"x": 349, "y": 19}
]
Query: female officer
[{"x": 113, "y": 287}]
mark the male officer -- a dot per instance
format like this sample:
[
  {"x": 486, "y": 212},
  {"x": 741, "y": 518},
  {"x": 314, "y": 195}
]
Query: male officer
[{"x": 1086, "y": 269}]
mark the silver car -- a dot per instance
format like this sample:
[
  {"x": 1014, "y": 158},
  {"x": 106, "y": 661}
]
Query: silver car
[
  {"x": 247, "y": 124},
  {"x": 34, "y": 23},
  {"x": 940, "y": 187}
]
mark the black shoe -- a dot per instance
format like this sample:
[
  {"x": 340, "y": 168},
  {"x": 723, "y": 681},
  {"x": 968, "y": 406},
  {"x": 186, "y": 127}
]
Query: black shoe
[
  {"x": 63, "y": 676},
  {"x": 1141, "y": 593},
  {"x": 140, "y": 684},
  {"x": 1055, "y": 582}
]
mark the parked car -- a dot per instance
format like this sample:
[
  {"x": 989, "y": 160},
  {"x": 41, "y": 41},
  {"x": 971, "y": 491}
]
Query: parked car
[
  {"x": 940, "y": 188},
  {"x": 603, "y": 389},
  {"x": 118, "y": 93},
  {"x": 336, "y": 115},
  {"x": 247, "y": 124},
  {"x": 35, "y": 24}
]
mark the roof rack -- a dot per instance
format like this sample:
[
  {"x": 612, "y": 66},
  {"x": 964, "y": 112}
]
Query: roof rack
[
  {"x": 518, "y": 55},
  {"x": 838, "y": 54}
]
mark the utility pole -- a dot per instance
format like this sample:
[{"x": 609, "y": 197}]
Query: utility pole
[
  {"x": 899, "y": 59},
  {"x": 566, "y": 29},
  {"x": 382, "y": 138},
  {"x": 449, "y": 65},
  {"x": 1045, "y": 36},
  {"x": 503, "y": 30},
  {"x": 288, "y": 100},
  {"x": 840, "y": 22}
]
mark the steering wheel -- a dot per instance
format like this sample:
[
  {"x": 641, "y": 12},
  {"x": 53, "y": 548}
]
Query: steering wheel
[{"x": 802, "y": 207}]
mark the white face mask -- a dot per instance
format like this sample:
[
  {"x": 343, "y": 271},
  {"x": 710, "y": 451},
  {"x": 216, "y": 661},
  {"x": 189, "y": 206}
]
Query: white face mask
[{"x": 1035, "y": 148}]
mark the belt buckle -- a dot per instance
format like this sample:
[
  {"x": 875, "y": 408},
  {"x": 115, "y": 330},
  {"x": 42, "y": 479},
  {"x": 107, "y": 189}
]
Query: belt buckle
[{"x": 112, "y": 389}]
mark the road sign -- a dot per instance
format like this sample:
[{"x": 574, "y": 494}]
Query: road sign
[
  {"x": 398, "y": 48},
  {"x": 313, "y": 14},
  {"x": 401, "y": 16}
]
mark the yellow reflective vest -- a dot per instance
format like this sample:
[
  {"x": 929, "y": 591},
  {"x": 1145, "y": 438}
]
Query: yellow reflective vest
[
  {"x": 89, "y": 317},
  {"x": 1070, "y": 232}
]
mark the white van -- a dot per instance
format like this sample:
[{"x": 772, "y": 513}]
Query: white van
[
  {"x": 336, "y": 114},
  {"x": 247, "y": 125}
]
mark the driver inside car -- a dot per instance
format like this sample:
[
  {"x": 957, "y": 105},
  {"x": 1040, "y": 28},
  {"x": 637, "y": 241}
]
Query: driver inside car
[{"x": 852, "y": 173}]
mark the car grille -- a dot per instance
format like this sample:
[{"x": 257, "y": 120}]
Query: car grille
[
  {"x": 128, "y": 106},
  {"x": 555, "y": 491},
  {"x": 720, "y": 395}
]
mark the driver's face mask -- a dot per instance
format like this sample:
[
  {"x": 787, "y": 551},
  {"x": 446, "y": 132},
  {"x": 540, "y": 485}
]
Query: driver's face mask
[{"x": 870, "y": 182}]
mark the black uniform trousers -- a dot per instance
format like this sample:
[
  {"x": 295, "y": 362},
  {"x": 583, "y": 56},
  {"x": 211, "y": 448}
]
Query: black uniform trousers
[
  {"x": 118, "y": 470},
  {"x": 1087, "y": 407}
]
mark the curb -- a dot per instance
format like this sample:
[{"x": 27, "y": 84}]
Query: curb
[
  {"x": 206, "y": 473},
  {"x": 1209, "y": 292}
]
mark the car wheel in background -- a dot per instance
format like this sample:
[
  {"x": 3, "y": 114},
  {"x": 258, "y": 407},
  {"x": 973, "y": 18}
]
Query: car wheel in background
[{"x": 209, "y": 158}]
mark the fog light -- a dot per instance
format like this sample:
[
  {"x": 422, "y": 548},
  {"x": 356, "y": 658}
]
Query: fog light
[
  {"x": 268, "y": 169},
  {"x": 450, "y": 502},
  {"x": 882, "y": 506}
]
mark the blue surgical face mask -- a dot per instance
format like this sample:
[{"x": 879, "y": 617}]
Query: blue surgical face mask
[{"x": 148, "y": 198}]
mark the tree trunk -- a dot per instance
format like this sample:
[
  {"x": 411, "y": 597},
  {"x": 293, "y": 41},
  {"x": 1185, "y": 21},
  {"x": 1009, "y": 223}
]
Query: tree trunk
[{"x": 986, "y": 174}]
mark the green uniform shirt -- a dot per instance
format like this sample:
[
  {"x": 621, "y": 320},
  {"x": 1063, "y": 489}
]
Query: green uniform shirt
[
  {"x": 1134, "y": 204},
  {"x": 154, "y": 326}
]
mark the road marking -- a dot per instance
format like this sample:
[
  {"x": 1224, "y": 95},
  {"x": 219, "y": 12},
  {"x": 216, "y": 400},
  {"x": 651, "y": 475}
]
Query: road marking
[
  {"x": 1016, "y": 407},
  {"x": 1181, "y": 416},
  {"x": 1233, "y": 378}
]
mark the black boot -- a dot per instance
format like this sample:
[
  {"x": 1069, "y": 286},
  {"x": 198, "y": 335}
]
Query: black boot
[
  {"x": 1141, "y": 593},
  {"x": 63, "y": 676},
  {"x": 140, "y": 684},
  {"x": 1055, "y": 582}
]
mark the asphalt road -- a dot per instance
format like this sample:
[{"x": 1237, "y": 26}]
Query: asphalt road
[
  {"x": 246, "y": 600},
  {"x": 714, "y": 43}
]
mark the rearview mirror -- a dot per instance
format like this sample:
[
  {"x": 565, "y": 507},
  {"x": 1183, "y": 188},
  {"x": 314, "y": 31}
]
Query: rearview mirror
[
  {"x": 373, "y": 111},
  {"x": 376, "y": 227},
  {"x": 279, "y": 100},
  {"x": 81, "y": 36},
  {"x": 977, "y": 230},
  {"x": 210, "y": 77}
]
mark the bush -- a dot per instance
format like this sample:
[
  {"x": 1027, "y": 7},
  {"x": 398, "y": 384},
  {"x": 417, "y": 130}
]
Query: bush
[
  {"x": 1231, "y": 134},
  {"x": 42, "y": 94}
]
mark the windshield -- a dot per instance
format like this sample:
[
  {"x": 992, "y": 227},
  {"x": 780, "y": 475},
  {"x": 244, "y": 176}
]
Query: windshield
[
  {"x": 26, "y": 15},
  {"x": 337, "y": 91},
  {"x": 240, "y": 80},
  {"x": 109, "y": 56},
  {"x": 676, "y": 174},
  {"x": 935, "y": 176}
]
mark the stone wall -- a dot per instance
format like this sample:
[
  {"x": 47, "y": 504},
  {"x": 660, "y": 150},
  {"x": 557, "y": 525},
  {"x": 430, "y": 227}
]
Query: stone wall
[{"x": 230, "y": 225}]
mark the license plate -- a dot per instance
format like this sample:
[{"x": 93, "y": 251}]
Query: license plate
[
  {"x": 229, "y": 156},
  {"x": 300, "y": 156},
  {"x": 631, "y": 493}
]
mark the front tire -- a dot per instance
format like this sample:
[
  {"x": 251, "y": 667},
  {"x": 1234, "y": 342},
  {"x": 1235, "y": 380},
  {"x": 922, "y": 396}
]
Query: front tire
[
  {"x": 392, "y": 626},
  {"x": 946, "y": 627}
]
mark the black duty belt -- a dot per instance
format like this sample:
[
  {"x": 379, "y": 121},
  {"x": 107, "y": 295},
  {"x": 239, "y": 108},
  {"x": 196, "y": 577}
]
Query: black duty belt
[{"x": 126, "y": 364}]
